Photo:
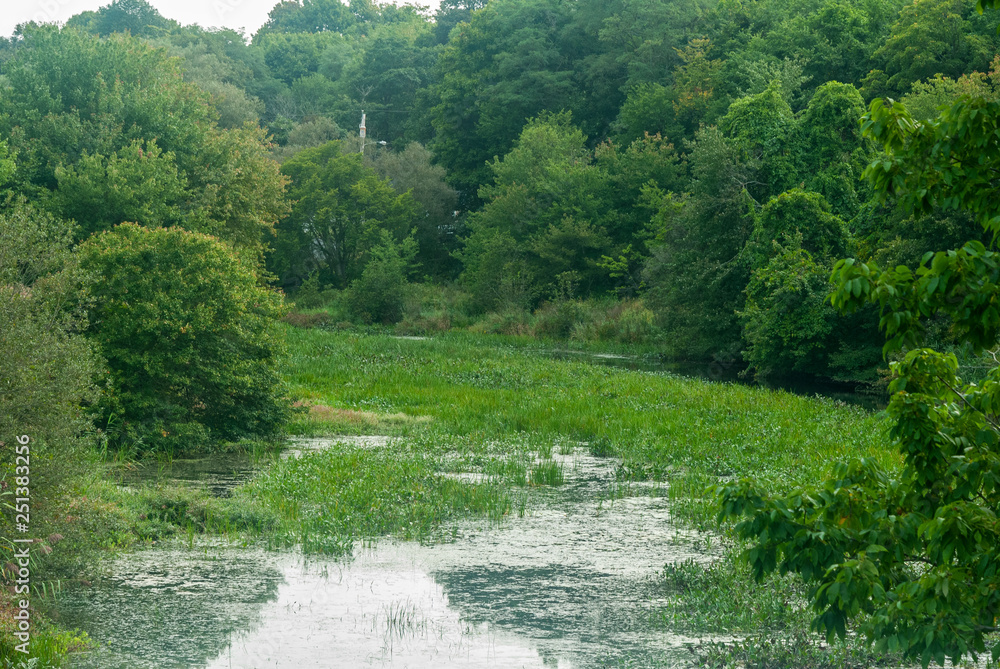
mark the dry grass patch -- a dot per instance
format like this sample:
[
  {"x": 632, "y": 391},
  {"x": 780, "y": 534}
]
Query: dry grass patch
[{"x": 323, "y": 419}]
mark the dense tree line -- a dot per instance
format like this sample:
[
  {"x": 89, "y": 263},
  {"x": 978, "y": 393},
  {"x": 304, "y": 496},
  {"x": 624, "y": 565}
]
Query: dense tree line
[{"x": 705, "y": 156}]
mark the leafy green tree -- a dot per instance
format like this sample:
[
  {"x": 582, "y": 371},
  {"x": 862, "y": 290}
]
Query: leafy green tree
[
  {"x": 648, "y": 109},
  {"x": 787, "y": 319},
  {"x": 310, "y": 16},
  {"x": 648, "y": 162},
  {"x": 926, "y": 97},
  {"x": 496, "y": 272},
  {"x": 107, "y": 131},
  {"x": 314, "y": 95},
  {"x": 552, "y": 200},
  {"x": 189, "y": 336},
  {"x": 378, "y": 295},
  {"x": 452, "y": 12},
  {"x": 647, "y": 38},
  {"x": 829, "y": 152},
  {"x": 137, "y": 183},
  {"x": 393, "y": 65},
  {"x": 514, "y": 60},
  {"x": 796, "y": 218},
  {"x": 949, "y": 162},
  {"x": 760, "y": 178},
  {"x": 411, "y": 170},
  {"x": 931, "y": 37},
  {"x": 694, "y": 83},
  {"x": 834, "y": 40},
  {"x": 307, "y": 134},
  {"x": 290, "y": 56},
  {"x": 215, "y": 59},
  {"x": 340, "y": 209},
  {"x": 225, "y": 80},
  {"x": 136, "y": 17},
  {"x": 911, "y": 554},
  {"x": 760, "y": 127},
  {"x": 696, "y": 274},
  {"x": 788, "y": 324}
]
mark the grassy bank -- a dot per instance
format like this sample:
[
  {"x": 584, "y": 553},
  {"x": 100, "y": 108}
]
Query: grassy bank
[{"x": 469, "y": 391}]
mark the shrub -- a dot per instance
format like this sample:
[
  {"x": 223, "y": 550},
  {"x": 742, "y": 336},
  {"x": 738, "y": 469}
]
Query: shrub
[
  {"x": 303, "y": 320},
  {"x": 188, "y": 334},
  {"x": 557, "y": 319},
  {"x": 47, "y": 370},
  {"x": 379, "y": 294},
  {"x": 510, "y": 322},
  {"x": 311, "y": 295},
  {"x": 625, "y": 322},
  {"x": 788, "y": 321}
]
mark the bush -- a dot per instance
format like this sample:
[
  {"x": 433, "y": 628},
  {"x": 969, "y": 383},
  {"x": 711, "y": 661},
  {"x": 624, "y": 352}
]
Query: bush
[
  {"x": 496, "y": 276},
  {"x": 379, "y": 294},
  {"x": 788, "y": 323},
  {"x": 628, "y": 322},
  {"x": 189, "y": 337},
  {"x": 510, "y": 322},
  {"x": 556, "y": 320},
  {"x": 311, "y": 295},
  {"x": 302, "y": 320}
]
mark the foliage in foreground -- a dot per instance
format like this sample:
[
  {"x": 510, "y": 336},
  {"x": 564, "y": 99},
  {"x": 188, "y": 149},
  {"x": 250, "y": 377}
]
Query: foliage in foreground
[
  {"x": 915, "y": 554},
  {"x": 46, "y": 371}
]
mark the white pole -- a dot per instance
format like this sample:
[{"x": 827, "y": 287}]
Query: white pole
[{"x": 362, "y": 131}]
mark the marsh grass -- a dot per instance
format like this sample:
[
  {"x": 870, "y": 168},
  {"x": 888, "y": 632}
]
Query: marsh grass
[
  {"x": 548, "y": 473},
  {"x": 723, "y": 598},
  {"x": 326, "y": 500},
  {"x": 798, "y": 649},
  {"x": 322, "y": 420},
  {"x": 50, "y": 645}
]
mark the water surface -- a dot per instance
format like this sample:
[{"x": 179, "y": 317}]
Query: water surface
[{"x": 572, "y": 584}]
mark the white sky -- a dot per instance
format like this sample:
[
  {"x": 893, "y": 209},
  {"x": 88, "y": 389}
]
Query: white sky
[{"x": 246, "y": 14}]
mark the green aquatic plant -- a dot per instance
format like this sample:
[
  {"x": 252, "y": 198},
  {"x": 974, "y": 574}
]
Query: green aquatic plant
[{"x": 547, "y": 473}]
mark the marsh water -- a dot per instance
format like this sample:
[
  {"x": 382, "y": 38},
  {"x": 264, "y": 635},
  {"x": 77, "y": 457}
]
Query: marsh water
[{"x": 572, "y": 583}]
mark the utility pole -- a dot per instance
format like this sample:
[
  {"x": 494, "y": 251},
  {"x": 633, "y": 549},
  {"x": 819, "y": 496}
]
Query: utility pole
[{"x": 362, "y": 132}]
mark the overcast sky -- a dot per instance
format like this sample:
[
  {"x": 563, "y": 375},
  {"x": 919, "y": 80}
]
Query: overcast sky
[{"x": 246, "y": 14}]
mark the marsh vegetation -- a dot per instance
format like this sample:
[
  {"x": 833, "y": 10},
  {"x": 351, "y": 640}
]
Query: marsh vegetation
[{"x": 510, "y": 481}]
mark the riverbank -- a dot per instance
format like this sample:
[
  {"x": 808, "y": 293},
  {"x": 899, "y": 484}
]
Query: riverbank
[{"x": 480, "y": 426}]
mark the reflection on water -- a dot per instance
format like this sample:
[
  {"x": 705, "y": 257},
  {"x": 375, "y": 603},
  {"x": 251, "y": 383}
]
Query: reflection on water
[
  {"x": 571, "y": 584},
  {"x": 171, "y": 608},
  {"x": 218, "y": 473}
]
